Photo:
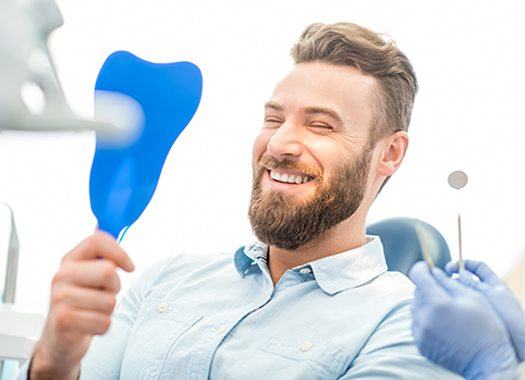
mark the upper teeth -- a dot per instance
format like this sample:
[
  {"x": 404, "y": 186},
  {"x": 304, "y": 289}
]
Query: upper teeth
[{"x": 292, "y": 178}]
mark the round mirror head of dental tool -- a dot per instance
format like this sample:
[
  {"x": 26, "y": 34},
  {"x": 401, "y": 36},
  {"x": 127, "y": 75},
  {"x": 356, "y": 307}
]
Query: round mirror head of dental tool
[{"x": 457, "y": 179}]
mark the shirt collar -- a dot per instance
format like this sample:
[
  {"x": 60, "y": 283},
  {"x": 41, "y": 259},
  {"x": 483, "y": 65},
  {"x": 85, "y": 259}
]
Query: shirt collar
[
  {"x": 247, "y": 257},
  {"x": 334, "y": 273},
  {"x": 351, "y": 268}
]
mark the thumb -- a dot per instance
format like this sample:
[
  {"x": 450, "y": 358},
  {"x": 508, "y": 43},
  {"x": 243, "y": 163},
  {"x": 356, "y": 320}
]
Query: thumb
[{"x": 425, "y": 282}]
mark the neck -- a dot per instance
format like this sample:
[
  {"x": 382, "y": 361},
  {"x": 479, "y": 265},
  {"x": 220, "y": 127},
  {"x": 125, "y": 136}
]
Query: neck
[{"x": 347, "y": 235}]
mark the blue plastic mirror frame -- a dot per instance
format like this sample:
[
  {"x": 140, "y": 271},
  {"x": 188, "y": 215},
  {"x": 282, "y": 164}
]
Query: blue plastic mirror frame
[{"x": 124, "y": 178}]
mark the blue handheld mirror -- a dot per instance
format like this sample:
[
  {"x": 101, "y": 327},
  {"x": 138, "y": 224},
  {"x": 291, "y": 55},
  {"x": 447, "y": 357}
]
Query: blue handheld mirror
[{"x": 125, "y": 171}]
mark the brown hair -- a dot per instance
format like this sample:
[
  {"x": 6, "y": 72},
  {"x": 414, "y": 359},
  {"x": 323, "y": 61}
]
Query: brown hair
[{"x": 352, "y": 45}]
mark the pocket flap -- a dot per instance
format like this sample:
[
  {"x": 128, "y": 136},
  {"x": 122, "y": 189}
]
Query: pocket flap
[{"x": 310, "y": 348}]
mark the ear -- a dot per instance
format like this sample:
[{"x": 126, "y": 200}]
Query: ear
[{"x": 394, "y": 148}]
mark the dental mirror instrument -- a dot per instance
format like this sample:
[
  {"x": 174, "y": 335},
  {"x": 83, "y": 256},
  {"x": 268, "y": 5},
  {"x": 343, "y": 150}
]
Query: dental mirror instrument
[{"x": 457, "y": 180}]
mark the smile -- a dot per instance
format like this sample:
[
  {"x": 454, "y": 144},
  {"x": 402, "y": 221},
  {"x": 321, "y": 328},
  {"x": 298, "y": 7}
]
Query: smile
[{"x": 289, "y": 178}]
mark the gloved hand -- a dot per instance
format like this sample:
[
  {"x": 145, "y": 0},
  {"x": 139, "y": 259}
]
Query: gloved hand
[
  {"x": 500, "y": 297},
  {"x": 456, "y": 327}
]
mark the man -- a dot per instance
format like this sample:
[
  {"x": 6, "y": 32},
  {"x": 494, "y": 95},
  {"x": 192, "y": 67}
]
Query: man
[{"x": 312, "y": 298}]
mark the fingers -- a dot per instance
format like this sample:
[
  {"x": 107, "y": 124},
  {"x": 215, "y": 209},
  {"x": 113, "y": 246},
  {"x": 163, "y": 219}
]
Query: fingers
[
  {"x": 451, "y": 267},
  {"x": 483, "y": 271},
  {"x": 84, "y": 298},
  {"x": 466, "y": 277},
  {"x": 99, "y": 274},
  {"x": 101, "y": 245},
  {"x": 426, "y": 284},
  {"x": 472, "y": 281},
  {"x": 479, "y": 268},
  {"x": 70, "y": 320},
  {"x": 452, "y": 286}
]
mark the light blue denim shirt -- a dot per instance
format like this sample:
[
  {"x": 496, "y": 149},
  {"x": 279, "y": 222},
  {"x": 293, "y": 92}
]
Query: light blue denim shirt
[{"x": 198, "y": 317}]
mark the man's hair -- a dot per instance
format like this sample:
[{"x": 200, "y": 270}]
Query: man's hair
[{"x": 348, "y": 44}]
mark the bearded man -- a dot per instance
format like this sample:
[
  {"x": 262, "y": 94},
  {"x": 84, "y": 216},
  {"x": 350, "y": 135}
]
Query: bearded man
[{"x": 312, "y": 298}]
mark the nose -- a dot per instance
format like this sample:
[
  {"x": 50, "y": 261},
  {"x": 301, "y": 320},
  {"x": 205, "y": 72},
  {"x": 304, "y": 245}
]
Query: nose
[{"x": 285, "y": 143}]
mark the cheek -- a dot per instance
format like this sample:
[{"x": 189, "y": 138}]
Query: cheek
[
  {"x": 326, "y": 154},
  {"x": 260, "y": 144}
]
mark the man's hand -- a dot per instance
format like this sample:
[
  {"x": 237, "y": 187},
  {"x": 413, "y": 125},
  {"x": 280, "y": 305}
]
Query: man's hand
[{"x": 83, "y": 296}]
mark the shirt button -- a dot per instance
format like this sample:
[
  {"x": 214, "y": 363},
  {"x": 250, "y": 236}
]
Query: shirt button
[
  {"x": 162, "y": 307},
  {"x": 305, "y": 346},
  {"x": 305, "y": 270},
  {"x": 221, "y": 329}
]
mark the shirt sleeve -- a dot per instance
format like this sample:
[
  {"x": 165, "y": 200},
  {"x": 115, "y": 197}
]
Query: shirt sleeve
[
  {"x": 391, "y": 353},
  {"x": 104, "y": 357}
]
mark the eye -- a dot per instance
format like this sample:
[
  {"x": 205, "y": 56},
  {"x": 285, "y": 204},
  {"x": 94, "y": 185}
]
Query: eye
[
  {"x": 321, "y": 126},
  {"x": 272, "y": 121}
]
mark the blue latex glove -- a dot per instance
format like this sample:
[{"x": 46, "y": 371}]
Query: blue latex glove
[
  {"x": 456, "y": 327},
  {"x": 499, "y": 296}
]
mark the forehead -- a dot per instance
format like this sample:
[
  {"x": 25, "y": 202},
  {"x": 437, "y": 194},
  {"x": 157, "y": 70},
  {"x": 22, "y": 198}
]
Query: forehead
[{"x": 344, "y": 89}]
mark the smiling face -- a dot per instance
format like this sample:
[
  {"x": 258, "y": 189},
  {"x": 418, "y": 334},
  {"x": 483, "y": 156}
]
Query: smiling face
[{"x": 312, "y": 158}]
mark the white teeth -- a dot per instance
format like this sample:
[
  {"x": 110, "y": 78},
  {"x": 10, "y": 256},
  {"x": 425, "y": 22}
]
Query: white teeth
[{"x": 293, "y": 178}]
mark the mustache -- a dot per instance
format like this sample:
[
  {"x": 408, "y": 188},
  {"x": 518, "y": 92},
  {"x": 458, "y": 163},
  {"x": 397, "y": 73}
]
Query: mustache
[{"x": 268, "y": 162}]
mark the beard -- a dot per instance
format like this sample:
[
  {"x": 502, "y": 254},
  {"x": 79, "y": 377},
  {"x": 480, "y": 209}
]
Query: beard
[{"x": 278, "y": 220}]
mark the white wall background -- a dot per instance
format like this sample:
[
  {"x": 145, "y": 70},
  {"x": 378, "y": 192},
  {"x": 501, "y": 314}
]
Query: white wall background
[{"x": 469, "y": 114}]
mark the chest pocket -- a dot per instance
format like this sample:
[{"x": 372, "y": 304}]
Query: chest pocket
[
  {"x": 305, "y": 355},
  {"x": 157, "y": 328}
]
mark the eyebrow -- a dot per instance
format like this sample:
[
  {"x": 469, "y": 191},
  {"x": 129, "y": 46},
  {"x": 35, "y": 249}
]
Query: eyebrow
[
  {"x": 309, "y": 110},
  {"x": 324, "y": 110},
  {"x": 273, "y": 105}
]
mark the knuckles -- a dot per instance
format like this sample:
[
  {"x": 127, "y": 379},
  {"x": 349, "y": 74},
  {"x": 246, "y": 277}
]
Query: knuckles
[
  {"x": 61, "y": 275},
  {"x": 105, "y": 324},
  {"x": 59, "y": 296},
  {"x": 63, "y": 318},
  {"x": 92, "y": 242},
  {"x": 108, "y": 271},
  {"x": 108, "y": 303},
  {"x": 66, "y": 321},
  {"x": 109, "y": 277},
  {"x": 57, "y": 279},
  {"x": 112, "y": 303}
]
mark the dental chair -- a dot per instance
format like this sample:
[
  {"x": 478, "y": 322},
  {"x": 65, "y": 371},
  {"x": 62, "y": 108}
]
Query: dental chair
[{"x": 402, "y": 246}]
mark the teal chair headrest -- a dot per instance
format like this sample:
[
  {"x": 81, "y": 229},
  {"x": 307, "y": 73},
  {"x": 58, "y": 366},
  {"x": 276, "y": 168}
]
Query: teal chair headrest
[{"x": 402, "y": 246}]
